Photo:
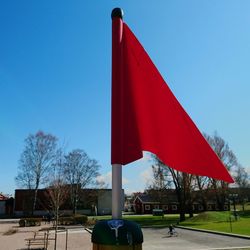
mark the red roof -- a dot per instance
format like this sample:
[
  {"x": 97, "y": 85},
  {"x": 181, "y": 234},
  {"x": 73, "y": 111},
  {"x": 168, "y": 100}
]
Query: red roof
[{"x": 3, "y": 198}]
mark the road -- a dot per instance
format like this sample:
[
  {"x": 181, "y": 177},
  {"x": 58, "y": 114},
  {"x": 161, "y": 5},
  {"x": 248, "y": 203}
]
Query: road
[{"x": 158, "y": 239}]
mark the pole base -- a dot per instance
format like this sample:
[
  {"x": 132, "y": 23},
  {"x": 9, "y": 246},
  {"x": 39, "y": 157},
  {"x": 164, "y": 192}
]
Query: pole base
[{"x": 117, "y": 235}]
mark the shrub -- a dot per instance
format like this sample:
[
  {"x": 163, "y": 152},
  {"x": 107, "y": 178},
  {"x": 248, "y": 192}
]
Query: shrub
[
  {"x": 22, "y": 223},
  {"x": 65, "y": 221},
  {"x": 34, "y": 221},
  {"x": 73, "y": 220},
  {"x": 91, "y": 222},
  {"x": 29, "y": 222},
  {"x": 80, "y": 219}
]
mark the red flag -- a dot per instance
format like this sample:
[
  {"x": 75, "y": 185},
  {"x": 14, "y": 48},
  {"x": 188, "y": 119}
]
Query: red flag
[{"x": 147, "y": 116}]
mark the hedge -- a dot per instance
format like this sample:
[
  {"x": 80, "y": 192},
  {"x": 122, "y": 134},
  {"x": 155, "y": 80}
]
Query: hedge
[
  {"x": 29, "y": 222},
  {"x": 73, "y": 220}
]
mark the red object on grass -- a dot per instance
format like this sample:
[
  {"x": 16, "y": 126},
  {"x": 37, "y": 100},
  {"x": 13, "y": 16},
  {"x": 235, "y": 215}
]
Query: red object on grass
[{"x": 146, "y": 116}]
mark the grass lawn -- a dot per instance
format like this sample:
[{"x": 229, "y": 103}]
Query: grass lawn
[
  {"x": 221, "y": 221},
  {"x": 147, "y": 220},
  {"x": 216, "y": 221},
  {"x": 154, "y": 221}
]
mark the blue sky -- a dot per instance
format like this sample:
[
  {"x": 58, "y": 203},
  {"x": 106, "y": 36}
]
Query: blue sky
[{"x": 55, "y": 72}]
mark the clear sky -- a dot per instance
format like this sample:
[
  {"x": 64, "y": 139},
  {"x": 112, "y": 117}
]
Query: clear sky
[{"x": 55, "y": 72}]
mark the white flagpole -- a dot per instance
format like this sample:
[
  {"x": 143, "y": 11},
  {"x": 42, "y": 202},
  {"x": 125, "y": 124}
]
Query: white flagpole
[
  {"x": 117, "y": 191},
  {"x": 117, "y": 198}
]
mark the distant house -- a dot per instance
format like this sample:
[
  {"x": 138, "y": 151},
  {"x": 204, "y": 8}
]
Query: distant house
[
  {"x": 128, "y": 203},
  {"x": 6, "y": 205},
  {"x": 90, "y": 201},
  {"x": 3, "y": 197},
  {"x": 242, "y": 194},
  {"x": 145, "y": 203}
]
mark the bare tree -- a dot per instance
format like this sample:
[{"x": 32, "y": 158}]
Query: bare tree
[
  {"x": 241, "y": 177},
  {"x": 203, "y": 184},
  {"x": 57, "y": 191},
  {"x": 156, "y": 189},
  {"x": 35, "y": 163},
  {"x": 242, "y": 180},
  {"x": 166, "y": 177},
  {"x": 185, "y": 184},
  {"x": 222, "y": 150},
  {"x": 25, "y": 177},
  {"x": 80, "y": 172},
  {"x": 160, "y": 175},
  {"x": 229, "y": 159}
]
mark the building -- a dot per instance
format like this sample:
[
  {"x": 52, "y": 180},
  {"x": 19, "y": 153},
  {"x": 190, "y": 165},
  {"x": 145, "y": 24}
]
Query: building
[
  {"x": 6, "y": 205},
  {"x": 89, "y": 202},
  {"x": 145, "y": 203}
]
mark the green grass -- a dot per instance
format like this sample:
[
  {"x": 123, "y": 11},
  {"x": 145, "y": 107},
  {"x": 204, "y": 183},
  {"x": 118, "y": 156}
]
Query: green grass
[
  {"x": 220, "y": 221},
  {"x": 216, "y": 221},
  {"x": 154, "y": 221},
  {"x": 147, "y": 220}
]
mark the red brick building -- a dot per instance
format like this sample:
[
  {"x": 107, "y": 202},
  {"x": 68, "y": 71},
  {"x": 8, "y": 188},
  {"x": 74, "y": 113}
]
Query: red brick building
[{"x": 145, "y": 203}]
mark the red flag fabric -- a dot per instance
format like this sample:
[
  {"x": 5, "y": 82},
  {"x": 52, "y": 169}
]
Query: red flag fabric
[{"x": 146, "y": 116}]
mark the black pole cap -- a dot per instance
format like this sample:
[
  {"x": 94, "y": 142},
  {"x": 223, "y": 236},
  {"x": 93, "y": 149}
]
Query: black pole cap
[{"x": 117, "y": 12}]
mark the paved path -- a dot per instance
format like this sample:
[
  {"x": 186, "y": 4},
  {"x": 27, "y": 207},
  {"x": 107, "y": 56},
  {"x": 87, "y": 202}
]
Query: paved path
[
  {"x": 157, "y": 239},
  {"x": 154, "y": 239},
  {"x": 78, "y": 239}
]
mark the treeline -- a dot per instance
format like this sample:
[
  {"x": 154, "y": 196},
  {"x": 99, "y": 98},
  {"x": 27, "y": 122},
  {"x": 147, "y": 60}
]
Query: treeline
[{"x": 188, "y": 186}]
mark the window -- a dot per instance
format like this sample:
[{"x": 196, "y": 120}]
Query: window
[
  {"x": 147, "y": 207},
  {"x": 156, "y": 206},
  {"x": 174, "y": 207},
  {"x": 200, "y": 207},
  {"x": 165, "y": 207}
]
